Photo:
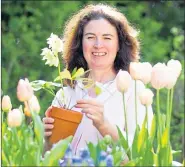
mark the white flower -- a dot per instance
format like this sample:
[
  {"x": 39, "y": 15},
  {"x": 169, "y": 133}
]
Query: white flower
[
  {"x": 146, "y": 97},
  {"x": 135, "y": 70},
  {"x": 34, "y": 104},
  {"x": 55, "y": 43},
  {"x": 123, "y": 81},
  {"x": 171, "y": 78},
  {"x": 158, "y": 78},
  {"x": 146, "y": 72},
  {"x": 51, "y": 59},
  {"x": 14, "y": 118},
  {"x": 176, "y": 66}
]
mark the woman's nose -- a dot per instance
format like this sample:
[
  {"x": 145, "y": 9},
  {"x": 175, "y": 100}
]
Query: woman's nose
[{"x": 98, "y": 44}]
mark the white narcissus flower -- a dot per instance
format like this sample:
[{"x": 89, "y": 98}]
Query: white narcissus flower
[
  {"x": 123, "y": 81},
  {"x": 146, "y": 97},
  {"x": 50, "y": 57},
  {"x": 176, "y": 66},
  {"x": 14, "y": 118},
  {"x": 135, "y": 70},
  {"x": 146, "y": 72},
  {"x": 24, "y": 90},
  {"x": 6, "y": 103},
  {"x": 171, "y": 78},
  {"x": 55, "y": 43},
  {"x": 34, "y": 104},
  {"x": 158, "y": 77}
]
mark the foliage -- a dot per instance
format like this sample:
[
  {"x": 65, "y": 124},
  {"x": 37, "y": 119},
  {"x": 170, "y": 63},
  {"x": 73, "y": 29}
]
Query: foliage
[
  {"x": 26, "y": 25},
  {"x": 23, "y": 145}
]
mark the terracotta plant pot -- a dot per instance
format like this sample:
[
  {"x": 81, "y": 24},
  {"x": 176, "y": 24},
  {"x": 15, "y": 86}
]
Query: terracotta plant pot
[{"x": 65, "y": 124}]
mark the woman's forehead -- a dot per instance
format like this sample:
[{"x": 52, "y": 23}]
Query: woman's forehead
[{"x": 100, "y": 25}]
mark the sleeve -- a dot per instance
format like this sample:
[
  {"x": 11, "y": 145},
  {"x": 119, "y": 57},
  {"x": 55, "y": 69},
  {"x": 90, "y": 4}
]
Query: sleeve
[{"x": 141, "y": 110}]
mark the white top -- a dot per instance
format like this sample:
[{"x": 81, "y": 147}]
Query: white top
[{"x": 113, "y": 111}]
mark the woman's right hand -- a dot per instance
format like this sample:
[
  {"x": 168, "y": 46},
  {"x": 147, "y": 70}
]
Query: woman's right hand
[{"x": 48, "y": 123}]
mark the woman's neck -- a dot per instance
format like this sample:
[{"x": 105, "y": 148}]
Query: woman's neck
[{"x": 103, "y": 76}]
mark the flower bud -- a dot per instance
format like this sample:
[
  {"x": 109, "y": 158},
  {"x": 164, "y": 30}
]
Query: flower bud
[
  {"x": 135, "y": 70},
  {"x": 171, "y": 78},
  {"x": 146, "y": 97},
  {"x": 146, "y": 72},
  {"x": 34, "y": 104},
  {"x": 176, "y": 66},
  {"x": 24, "y": 90},
  {"x": 14, "y": 118},
  {"x": 158, "y": 79},
  {"x": 6, "y": 103},
  {"x": 123, "y": 81}
]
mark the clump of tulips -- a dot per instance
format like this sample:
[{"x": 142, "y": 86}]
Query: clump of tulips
[
  {"x": 161, "y": 76},
  {"x": 22, "y": 140}
]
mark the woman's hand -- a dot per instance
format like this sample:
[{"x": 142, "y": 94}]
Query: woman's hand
[
  {"x": 93, "y": 110},
  {"x": 48, "y": 123}
]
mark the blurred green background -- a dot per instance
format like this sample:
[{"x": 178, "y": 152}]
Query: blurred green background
[{"x": 26, "y": 25}]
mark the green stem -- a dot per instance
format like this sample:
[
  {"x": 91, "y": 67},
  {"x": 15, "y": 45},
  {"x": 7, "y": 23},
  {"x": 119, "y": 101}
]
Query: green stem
[
  {"x": 147, "y": 117},
  {"x": 167, "y": 108},
  {"x": 170, "y": 110},
  {"x": 49, "y": 91},
  {"x": 158, "y": 118},
  {"x": 135, "y": 103},
  {"x": 125, "y": 115}
]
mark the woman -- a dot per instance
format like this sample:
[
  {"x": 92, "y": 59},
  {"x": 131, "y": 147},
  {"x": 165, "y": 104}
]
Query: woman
[{"x": 100, "y": 38}]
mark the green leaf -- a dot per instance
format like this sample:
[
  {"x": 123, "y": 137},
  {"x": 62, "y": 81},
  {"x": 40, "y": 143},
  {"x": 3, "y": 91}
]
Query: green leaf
[
  {"x": 74, "y": 71},
  {"x": 142, "y": 135},
  {"x": 165, "y": 137},
  {"x": 135, "y": 141},
  {"x": 134, "y": 162},
  {"x": 153, "y": 128},
  {"x": 78, "y": 73},
  {"x": 57, "y": 152}
]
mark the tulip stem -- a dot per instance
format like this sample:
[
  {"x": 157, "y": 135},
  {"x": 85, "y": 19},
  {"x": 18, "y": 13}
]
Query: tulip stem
[
  {"x": 170, "y": 110},
  {"x": 167, "y": 108},
  {"x": 136, "y": 102},
  {"x": 147, "y": 117},
  {"x": 125, "y": 115},
  {"x": 158, "y": 117}
]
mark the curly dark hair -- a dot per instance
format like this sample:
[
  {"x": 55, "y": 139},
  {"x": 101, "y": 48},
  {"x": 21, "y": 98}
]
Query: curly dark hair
[{"x": 73, "y": 34}]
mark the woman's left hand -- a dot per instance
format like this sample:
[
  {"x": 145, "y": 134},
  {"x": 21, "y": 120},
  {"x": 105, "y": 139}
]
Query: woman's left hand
[{"x": 94, "y": 110}]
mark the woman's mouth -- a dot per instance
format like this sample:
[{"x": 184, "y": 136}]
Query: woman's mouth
[{"x": 99, "y": 53}]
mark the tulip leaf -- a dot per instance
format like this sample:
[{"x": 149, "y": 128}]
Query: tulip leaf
[
  {"x": 56, "y": 153},
  {"x": 38, "y": 129},
  {"x": 142, "y": 135},
  {"x": 165, "y": 137},
  {"x": 133, "y": 162},
  {"x": 153, "y": 128},
  {"x": 135, "y": 141}
]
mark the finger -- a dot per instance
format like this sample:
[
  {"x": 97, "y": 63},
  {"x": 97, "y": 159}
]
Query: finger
[
  {"x": 47, "y": 134},
  {"x": 90, "y": 116},
  {"x": 48, "y": 126},
  {"x": 89, "y": 101},
  {"x": 88, "y": 111},
  {"x": 47, "y": 120},
  {"x": 48, "y": 111}
]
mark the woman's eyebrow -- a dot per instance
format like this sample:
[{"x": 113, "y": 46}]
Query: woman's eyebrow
[{"x": 89, "y": 33}]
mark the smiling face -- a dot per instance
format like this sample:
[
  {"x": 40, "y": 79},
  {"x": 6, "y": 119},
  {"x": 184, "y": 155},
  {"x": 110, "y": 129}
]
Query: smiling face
[{"x": 100, "y": 44}]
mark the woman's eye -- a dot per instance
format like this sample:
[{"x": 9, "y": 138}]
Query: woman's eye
[
  {"x": 90, "y": 37},
  {"x": 108, "y": 38}
]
